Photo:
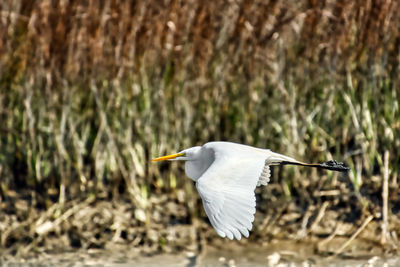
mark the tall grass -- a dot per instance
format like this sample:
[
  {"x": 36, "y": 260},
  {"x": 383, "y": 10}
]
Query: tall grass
[{"x": 92, "y": 90}]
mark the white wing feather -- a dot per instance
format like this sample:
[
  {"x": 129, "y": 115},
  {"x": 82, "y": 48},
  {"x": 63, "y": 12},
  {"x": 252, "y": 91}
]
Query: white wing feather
[
  {"x": 265, "y": 176},
  {"x": 227, "y": 190}
]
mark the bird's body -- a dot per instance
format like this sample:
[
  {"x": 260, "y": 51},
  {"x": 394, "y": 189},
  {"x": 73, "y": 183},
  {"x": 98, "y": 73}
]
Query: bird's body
[
  {"x": 226, "y": 175},
  {"x": 229, "y": 153}
]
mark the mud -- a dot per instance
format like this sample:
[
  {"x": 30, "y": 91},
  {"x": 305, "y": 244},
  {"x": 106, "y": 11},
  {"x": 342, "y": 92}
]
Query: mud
[{"x": 220, "y": 253}]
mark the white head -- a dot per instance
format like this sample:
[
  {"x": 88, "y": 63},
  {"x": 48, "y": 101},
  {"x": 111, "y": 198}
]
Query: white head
[
  {"x": 188, "y": 154},
  {"x": 197, "y": 160}
]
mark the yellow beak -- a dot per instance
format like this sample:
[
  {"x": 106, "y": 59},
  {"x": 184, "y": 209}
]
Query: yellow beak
[{"x": 173, "y": 156}]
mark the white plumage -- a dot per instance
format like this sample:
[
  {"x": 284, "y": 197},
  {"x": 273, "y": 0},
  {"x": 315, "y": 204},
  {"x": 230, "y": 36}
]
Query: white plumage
[{"x": 226, "y": 175}]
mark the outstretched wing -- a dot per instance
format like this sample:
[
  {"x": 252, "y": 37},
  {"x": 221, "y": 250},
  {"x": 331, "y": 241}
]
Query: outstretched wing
[{"x": 227, "y": 191}]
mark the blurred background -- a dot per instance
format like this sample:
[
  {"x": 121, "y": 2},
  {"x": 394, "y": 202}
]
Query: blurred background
[{"x": 90, "y": 91}]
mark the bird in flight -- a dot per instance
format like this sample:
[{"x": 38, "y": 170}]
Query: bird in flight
[{"x": 226, "y": 175}]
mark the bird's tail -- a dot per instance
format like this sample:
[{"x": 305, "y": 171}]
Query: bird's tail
[{"x": 333, "y": 165}]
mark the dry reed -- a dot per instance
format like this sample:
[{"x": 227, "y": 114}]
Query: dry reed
[{"x": 91, "y": 90}]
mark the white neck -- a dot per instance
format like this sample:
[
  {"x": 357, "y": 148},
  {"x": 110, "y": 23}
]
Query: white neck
[{"x": 195, "y": 167}]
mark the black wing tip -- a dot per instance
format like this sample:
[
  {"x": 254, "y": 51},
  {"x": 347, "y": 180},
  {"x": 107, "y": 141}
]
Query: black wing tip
[{"x": 335, "y": 166}]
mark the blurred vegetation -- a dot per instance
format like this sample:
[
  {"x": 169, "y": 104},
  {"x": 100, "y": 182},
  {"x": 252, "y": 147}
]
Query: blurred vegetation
[{"x": 92, "y": 90}]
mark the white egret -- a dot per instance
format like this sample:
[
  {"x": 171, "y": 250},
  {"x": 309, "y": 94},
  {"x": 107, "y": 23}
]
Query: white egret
[{"x": 226, "y": 175}]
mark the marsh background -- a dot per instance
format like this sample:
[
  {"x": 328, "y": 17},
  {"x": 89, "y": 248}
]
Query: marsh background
[{"x": 90, "y": 91}]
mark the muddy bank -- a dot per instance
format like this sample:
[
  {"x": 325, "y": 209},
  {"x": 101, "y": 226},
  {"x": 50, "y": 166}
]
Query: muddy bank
[
  {"x": 96, "y": 231},
  {"x": 278, "y": 253}
]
